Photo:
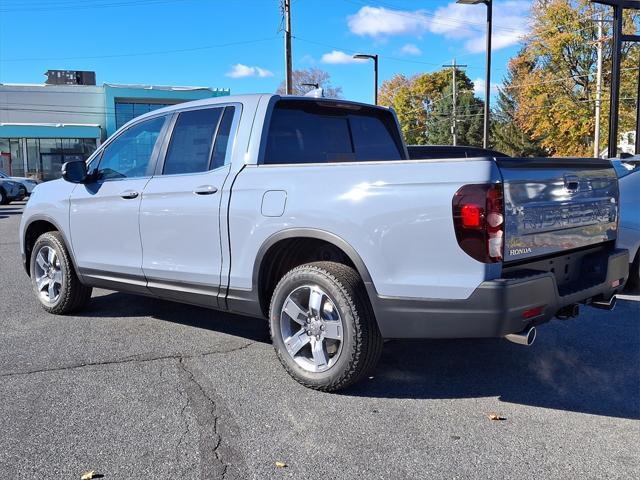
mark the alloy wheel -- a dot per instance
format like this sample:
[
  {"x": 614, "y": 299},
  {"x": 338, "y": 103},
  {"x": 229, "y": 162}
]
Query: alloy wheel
[
  {"x": 48, "y": 274},
  {"x": 311, "y": 328}
]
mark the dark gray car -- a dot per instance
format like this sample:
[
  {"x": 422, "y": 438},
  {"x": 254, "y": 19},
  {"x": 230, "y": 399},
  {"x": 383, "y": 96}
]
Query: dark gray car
[{"x": 10, "y": 191}]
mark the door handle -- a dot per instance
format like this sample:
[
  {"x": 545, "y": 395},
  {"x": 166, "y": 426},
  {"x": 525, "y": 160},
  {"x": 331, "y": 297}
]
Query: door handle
[
  {"x": 129, "y": 194},
  {"x": 205, "y": 190}
]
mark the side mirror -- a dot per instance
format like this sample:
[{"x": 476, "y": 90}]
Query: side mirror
[{"x": 75, "y": 172}]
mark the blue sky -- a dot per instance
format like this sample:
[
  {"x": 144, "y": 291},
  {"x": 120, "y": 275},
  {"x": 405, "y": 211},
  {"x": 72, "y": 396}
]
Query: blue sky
[{"x": 236, "y": 44}]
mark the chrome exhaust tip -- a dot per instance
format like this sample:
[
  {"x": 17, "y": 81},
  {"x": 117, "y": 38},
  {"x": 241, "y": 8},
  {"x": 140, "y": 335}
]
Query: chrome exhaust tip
[
  {"x": 605, "y": 304},
  {"x": 525, "y": 337}
]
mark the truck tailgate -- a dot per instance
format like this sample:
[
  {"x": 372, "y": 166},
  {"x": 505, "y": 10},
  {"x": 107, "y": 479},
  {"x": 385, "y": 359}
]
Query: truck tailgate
[{"x": 557, "y": 204}]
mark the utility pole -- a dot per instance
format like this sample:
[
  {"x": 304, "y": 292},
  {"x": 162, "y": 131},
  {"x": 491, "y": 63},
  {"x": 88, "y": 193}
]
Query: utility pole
[
  {"x": 454, "y": 117},
  {"x": 287, "y": 47},
  {"x": 596, "y": 139}
]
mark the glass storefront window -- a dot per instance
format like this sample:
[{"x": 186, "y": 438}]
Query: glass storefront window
[
  {"x": 126, "y": 111},
  {"x": 11, "y": 159},
  {"x": 45, "y": 156},
  {"x": 33, "y": 158}
]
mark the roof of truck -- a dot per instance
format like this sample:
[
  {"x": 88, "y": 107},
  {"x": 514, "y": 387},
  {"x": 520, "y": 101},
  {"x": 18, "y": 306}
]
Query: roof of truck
[{"x": 247, "y": 99}]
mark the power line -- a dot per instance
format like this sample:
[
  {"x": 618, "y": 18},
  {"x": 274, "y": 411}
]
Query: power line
[
  {"x": 349, "y": 50},
  {"x": 557, "y": 80},
  {"x": 140, "y": 54},
  {"x": 85, "y": 6}
]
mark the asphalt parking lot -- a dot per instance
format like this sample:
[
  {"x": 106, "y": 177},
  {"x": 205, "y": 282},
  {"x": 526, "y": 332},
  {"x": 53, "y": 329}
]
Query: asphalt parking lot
[{"x": 139, "y": 388}]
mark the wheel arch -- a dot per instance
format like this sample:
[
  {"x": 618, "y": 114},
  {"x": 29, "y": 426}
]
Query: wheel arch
[
  {"x": 38, "y": 225},
  {"x": 263, "y": 284}
]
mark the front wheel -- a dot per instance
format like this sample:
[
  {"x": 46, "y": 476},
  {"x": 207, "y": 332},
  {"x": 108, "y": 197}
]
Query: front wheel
[
  {"x": 3, "y": 197},
  {"x": 54, "y": 280},
  {"x": 322, "y": 326}
]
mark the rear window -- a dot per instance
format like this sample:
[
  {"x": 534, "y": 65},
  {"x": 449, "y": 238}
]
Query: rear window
[{"x": 323, "y": 132}]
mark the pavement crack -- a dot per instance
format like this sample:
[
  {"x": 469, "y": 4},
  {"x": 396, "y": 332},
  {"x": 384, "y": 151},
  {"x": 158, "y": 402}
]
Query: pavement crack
[
  {"x": 129, "y": 359},
  {"x": 119, "y": 361},
  {"x": 206, "y": 412}
]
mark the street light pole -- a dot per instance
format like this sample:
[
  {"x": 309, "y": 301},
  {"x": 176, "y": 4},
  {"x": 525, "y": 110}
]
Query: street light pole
[
  {"x": 487, "y": 81},
  {"x": 364, "y": 56}
]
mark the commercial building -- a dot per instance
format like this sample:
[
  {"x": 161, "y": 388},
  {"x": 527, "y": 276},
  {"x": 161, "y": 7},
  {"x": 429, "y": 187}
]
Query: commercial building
[{"x": 42, "y": 126}]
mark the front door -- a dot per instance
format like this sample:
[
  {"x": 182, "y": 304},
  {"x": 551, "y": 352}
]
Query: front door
[
  {"x": 104, "y": 216},
  {"x": 179, "y": 215}
]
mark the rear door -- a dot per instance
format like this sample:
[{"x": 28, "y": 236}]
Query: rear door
[
  {"x": 556, "y": 204},
  {"x": 180, "y": 210}
]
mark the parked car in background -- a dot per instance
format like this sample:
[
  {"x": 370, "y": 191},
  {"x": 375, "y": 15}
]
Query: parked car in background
[
  {"x": 309, "y": 213},
  {"x": 425, "y": 152},
  {"x": 10, "y": 191},
  {"x": 27, "y": 184},
  {"x": 629, "y": 231}
]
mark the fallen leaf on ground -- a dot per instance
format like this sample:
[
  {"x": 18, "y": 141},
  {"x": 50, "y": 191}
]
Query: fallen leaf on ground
[
  {"x": 88, "y": 475},
  {"x": 495, "y": 416},
  {"x": 281, "y": 464}
]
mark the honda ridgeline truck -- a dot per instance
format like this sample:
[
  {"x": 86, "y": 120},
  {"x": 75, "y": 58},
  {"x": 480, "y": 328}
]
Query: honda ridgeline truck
[{"x": 308, "y": 212}]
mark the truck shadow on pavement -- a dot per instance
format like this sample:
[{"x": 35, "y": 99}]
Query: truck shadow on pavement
[
  {"x": 113, "y": 305},
  {"x": 588, "y": 365}
]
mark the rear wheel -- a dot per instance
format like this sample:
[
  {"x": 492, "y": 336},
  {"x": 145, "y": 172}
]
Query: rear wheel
[
  {"x": 54, "y": 280},
  {"x": 322, "y": 326},
  {"x": 3, "y": 197}
]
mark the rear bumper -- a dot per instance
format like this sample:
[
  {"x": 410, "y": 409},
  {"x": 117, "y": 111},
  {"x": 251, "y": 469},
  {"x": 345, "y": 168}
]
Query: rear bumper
[{"x": 496, "y": 307}]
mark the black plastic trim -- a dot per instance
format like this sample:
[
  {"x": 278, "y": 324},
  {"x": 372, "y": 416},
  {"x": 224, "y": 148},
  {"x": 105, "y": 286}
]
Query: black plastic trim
[{"x": 494, "y": 309}]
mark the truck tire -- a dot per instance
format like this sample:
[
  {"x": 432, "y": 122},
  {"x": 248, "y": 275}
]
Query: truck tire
[
  {"x": 53, "y": 277},
  {"x": 323, "y": 327},
  {"x": 3, "y": 197}
]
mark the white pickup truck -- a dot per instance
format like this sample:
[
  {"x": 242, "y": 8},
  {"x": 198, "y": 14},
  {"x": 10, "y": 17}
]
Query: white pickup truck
[{"x": 308, "y": 212}]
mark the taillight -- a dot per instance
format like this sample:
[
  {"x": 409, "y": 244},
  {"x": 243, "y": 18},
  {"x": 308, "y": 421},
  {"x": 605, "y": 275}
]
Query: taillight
[{"x": 478, "y": 218}]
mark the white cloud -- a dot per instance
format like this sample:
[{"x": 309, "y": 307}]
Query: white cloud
[
  {"x": 456, "y": 21},
  {"x": 410, "y": 49},
  {"x": 453, "y": 21},
  {"x": 381, "y": 22},
  {"x": 339, "y": 57},
  {"x": 240, "y": 70},
  {"x": 478, "y": 87}
]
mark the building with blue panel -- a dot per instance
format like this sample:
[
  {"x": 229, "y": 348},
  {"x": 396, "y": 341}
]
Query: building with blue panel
[{"x": 42, "y": 126}]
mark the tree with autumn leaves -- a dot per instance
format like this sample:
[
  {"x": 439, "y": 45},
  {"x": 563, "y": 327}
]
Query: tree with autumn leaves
[
  {"x": 423, "y": 104},
  {"x": 547, "y": 100},
  {"x": 546, "y": 104}
]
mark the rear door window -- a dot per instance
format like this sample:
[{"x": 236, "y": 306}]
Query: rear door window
[
  {"x": 220, "y": 157},
  {"x": 190, "y": 149},
  {"x": 322, "y": 132}
]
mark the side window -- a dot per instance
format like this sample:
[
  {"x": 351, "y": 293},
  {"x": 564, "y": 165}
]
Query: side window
[
  {"x": 128, "y": 155},
  {"x": 222, "y": 139},
  {"x": 191, "y": 141}
]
